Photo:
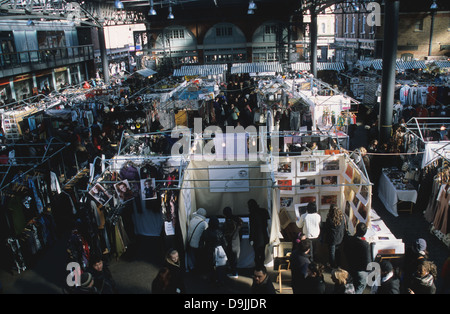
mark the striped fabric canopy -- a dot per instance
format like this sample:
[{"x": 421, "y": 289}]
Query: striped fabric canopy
[
  {"x": 200, "y": 70},
  {"x": 442, "y": 64},
  {"x": 306, "y": 66},
  {"x": 257, "y": 67}
]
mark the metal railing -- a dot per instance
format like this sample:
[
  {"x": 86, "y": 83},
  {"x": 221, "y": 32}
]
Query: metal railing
[{"x": 43, "y": 56}]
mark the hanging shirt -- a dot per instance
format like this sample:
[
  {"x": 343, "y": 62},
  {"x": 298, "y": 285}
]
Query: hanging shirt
[{"x": 404, "y": 94}]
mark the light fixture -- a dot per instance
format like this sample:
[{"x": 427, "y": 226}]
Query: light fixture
[
  {"x": 170, "y": 16},
  {"x": 434, "y": 6},
  {"x": 252, "y": 6},
  {"x": 250, "y": 12},
  {"x": 152, "y": 10},
  {"x": 118, "y": 4}
]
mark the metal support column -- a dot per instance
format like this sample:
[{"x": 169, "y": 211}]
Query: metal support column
[
  {"x": 313, "y": 42},
  {"x": 103, "y": 54},
  {"x": 391, "y": 14}
]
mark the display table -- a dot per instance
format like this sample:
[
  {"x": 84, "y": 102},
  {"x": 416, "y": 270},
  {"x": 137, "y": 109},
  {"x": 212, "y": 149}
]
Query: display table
[
  {"x": 392, "y": 190},
  {"x": 382, "y": 241}
]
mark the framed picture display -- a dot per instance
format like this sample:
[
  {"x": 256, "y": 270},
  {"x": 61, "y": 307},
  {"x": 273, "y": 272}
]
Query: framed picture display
[
  {"x": 300, "y": 209},
  {"x": 286, "y": 202},
  {"x": 364, "y": 194},
  {"x": 331, "y": 166},
  {"x": 307, "y": 184},
  {"x": 307, "y": 166},
  {"x": 356, "y": 178},
  {"x": 354, "y": 203},
  {"x": 329, "y": 183},
  {"x": 348, "y": 193},
  {"x": 327, "y": 199},
  {"x": 285, "y": 168},
  {"x": 348, "y": 173},
  {"x": 286, "y": 186},
  {"x": 362, "y": 212},
  {"x": 99, "y": 193},
  {"x": 314, "y": 198}
]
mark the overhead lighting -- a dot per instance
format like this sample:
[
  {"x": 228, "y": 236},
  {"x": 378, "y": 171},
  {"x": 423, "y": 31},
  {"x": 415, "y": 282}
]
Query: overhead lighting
[
  {"x": 251, "y": 6},
  {"x": 170, "y": 16},
  {"x": 434, "y": 6},
  {"x": 250, "y": 12},
  {"x": 118, "y": 4},
  {"x": 152, "y": 10}
]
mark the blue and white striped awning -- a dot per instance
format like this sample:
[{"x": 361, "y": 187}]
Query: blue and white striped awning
[
  {"x": 306, "y": 66},
  {"x": 256, "y": 67},
  {"x": 377, "y": 64},
  {"x": 442, "y": 64},
  {"x": 201, "y": 70},
  {"x": 400, "y": 65},
  {"x": 408, "y": 65}
]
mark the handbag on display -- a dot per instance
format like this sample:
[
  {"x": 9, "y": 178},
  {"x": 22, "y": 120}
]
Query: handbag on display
[{"x": 220, "y": 256}]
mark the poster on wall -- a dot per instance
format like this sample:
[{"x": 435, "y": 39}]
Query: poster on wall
[
  {"x": 331, "y": 166},
  {"x": 364, "y": 194},
  {"x": 348, "y": 173},
  {"x": 286, "y": 186},
  {"x": 286, "y": 201},
  {"x": 99, "y": 193},
  {"x": 307, "y": 185},
  {"x": 327, "y": 199},
  {"x": 124, "y": 191},
  {"x": 148, "y": 189},
  {"x": 285, "y": 168},
  {"x": 229, "y": 179},
  {"x": 307, "y": 167},
  {"x": 329, "y": 183}
]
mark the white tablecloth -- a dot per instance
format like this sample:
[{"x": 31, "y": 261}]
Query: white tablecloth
[{"x": 390, "y": 196}]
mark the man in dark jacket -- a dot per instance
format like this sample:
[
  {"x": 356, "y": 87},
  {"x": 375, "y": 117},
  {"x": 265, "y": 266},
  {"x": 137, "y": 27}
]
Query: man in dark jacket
[
  {"x": 261, "y": 283},
  {"x": 390, "y": 283},
  {"x": 259, "y": 236},
  {"x": 231, "y": 230},
  {"x": 300, "y": 260},
  {"x": 357, "y": 251}
]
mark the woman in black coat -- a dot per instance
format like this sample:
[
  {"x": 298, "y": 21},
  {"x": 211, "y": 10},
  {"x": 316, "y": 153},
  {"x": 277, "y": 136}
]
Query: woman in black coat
[
  {"x": 314, "y": 282},
  {"x": 259, "y": 236},
  {"x": 213, "y": 237},
  {"x": 335, "y": 228}
]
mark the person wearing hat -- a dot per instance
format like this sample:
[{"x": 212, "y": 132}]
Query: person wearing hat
[
  {"x": 389, "y": 282},
  {"x": 197, "y": 225},
  {"x": 413, "y": 256},
  {"x": 86, "y": 284}
]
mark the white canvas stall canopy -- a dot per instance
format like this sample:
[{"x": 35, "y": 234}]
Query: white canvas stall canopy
[
  {"x": 429, "y": 132},
  {"x": 213, "y": 185},
  {"x": 257, "y": 68},
  {"x": 322, "y": 99},
  {"x": 146, "y": 72}
]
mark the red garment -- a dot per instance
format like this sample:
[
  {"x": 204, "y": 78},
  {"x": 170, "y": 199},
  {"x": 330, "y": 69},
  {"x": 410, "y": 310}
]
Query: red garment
[
  {"x": 421, "y": 112},
  {"x": 432, "y": 94}
]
